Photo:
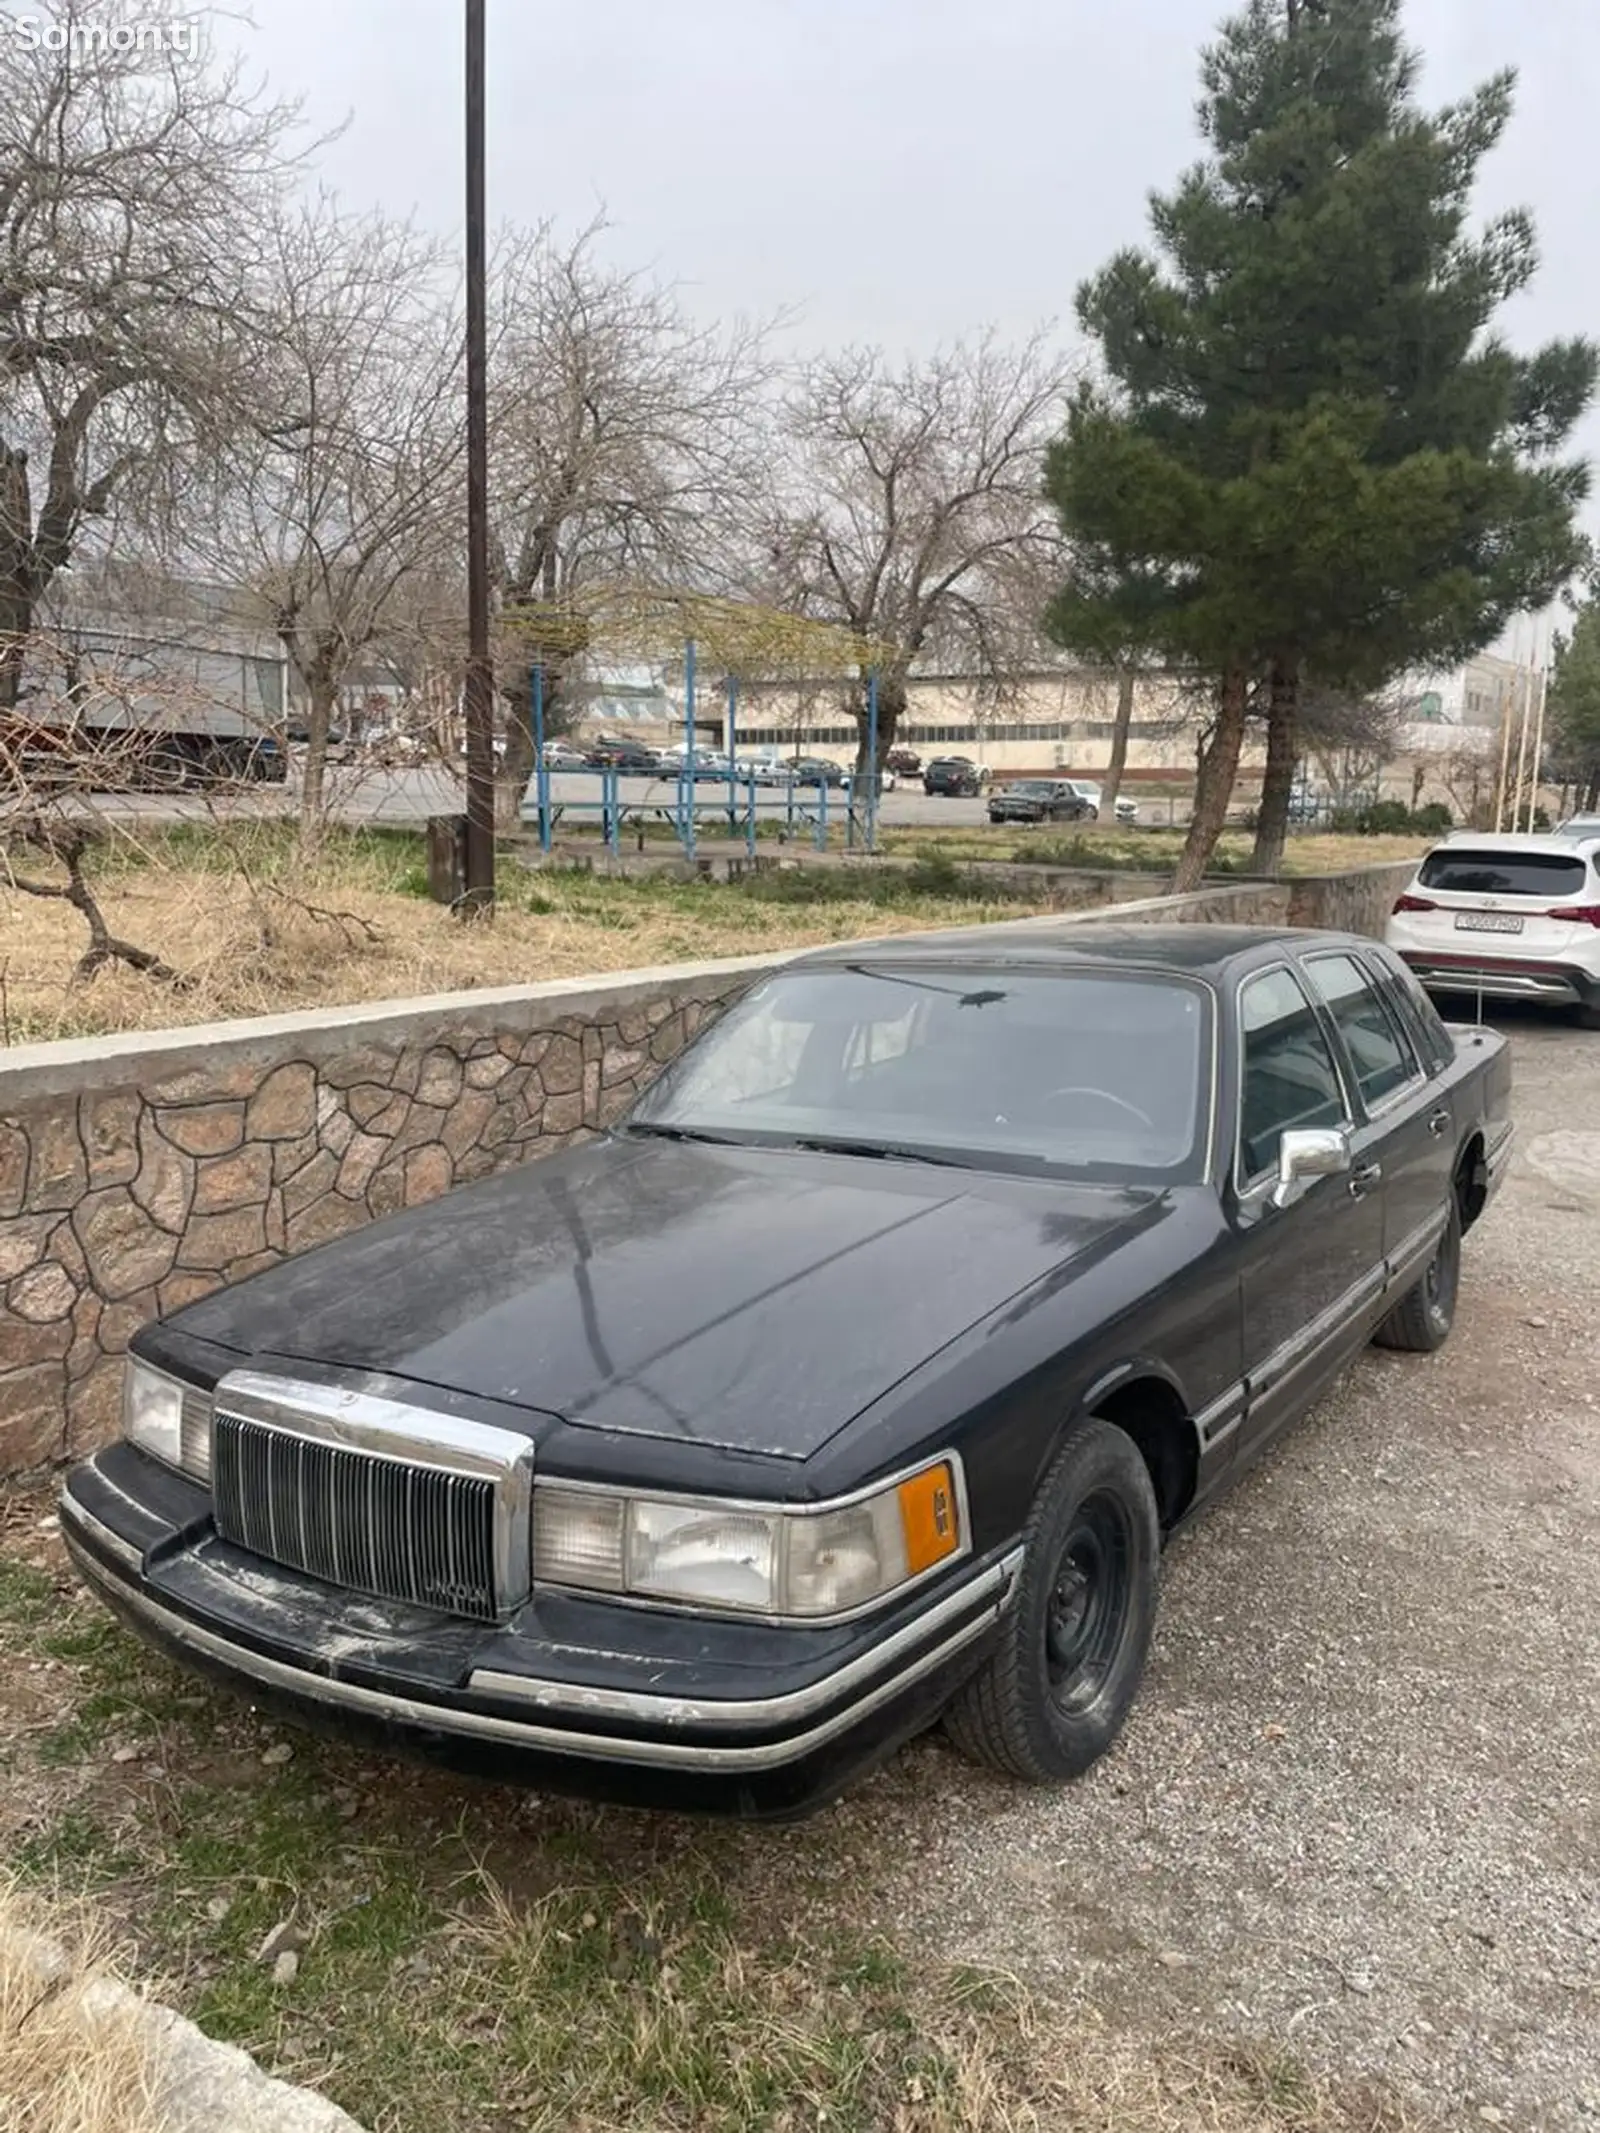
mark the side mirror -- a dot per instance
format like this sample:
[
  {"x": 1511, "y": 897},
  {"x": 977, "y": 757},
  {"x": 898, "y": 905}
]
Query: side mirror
[{"x": 1316, "y": 1152}]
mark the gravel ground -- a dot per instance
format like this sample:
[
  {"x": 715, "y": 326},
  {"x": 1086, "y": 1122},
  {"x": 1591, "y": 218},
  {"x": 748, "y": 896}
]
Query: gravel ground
[{"x": 1358, "y": 1807}]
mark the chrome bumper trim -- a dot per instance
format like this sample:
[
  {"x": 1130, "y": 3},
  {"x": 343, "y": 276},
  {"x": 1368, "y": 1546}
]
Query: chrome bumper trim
[
  {"x": 994, "y": 1584},
  {"x": 386, "y": 1708},
  {"x": 72, "y": 1513},
  {"x": 1498, "y": 984}
]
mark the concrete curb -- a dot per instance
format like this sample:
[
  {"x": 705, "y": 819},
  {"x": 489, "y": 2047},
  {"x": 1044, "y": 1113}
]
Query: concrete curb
[{"x": 200, "y": 2086}]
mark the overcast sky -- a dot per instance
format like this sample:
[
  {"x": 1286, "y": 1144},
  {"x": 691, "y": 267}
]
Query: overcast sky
[{"x": 897, "y": 171}]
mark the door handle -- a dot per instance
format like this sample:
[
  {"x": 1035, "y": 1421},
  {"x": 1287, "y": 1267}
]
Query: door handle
[
  {"x": 1439, "y": 1123},
  {"x": 1368, "y": 1175}
]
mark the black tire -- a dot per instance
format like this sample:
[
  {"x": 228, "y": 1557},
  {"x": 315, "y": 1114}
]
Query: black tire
[
  {"x": 1587, "y": 1017},
  {"x": 1052, "y": 1697},
  {"x": 1420, "y": 1322}
]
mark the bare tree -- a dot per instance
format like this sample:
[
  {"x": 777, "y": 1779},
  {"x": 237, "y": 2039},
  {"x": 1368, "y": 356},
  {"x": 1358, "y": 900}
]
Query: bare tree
[
  {"x": 133, "y": 176},
  {"x": 338, "y": 512},
  {"x": 623, "y": 436},
  {"x": 907, "y": 508}
]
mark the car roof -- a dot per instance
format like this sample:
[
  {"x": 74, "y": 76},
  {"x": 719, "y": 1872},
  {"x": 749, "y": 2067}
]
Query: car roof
[{"x": 1201, "y": 951}]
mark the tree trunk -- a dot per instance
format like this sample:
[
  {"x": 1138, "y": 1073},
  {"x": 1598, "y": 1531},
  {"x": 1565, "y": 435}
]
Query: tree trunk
[
  {"x": 1277, "y": 784},
  {"x": 516, "y": 766},
  {"x": 312, "y": 790},
  {"x": 1127, "y": 678},
  {"x": 16, "y": 619},
  {"x": 17, "y": 582},
  {"x": 1218, "y": 773},
  {"x": 891, "y": 709}
]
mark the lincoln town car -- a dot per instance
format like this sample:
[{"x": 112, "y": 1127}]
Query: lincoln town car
[{"x": 851, "y": 1384}]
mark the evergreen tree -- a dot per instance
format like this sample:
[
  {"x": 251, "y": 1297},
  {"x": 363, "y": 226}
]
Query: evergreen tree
[
  {"x": 1310, "y": 459},
  {"x": 1572, "y": 713}
]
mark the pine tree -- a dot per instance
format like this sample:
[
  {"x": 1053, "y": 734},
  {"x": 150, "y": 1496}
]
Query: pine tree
[
  {"x": 1573, "y": 710},
  {"x": 1310, "y": 459}
]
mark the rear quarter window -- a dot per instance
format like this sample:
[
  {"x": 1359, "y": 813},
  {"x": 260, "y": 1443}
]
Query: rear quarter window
[
  {"x": 1405, "y": 994},
  {"x": 1464, "y": 872}
]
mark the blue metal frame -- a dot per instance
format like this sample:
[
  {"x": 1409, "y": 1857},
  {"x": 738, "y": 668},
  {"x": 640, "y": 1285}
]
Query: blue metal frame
[{"x": 684, "y": 817}]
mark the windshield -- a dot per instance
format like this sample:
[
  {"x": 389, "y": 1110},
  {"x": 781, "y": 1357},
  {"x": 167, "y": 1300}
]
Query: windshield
[{"x": 1086, "y": 1074}]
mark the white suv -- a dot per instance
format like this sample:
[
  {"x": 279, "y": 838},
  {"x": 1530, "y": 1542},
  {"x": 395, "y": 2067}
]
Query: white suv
[
  {"x": 1086, "y": 789},
  {"x": 1508, "y": 918}
]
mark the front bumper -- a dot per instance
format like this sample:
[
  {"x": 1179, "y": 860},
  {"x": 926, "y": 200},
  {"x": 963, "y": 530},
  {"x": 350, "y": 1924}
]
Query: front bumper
[{"x": 634, "y": 1705}]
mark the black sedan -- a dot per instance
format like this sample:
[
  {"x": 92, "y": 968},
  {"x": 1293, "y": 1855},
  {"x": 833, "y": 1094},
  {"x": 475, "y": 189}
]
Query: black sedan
[
  {"x": 954, "y": 777},
  {"x": 814, "y": 770},
  {"x": 634, "y": 757},
  {"x": 1039, "y": 800},
  {"x": 853, "y": 1382}
]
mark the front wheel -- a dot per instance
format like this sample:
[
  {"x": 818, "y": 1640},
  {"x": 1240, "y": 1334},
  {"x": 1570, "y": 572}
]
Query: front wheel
[
  {"x": 1052, "y": 1697},
  {"x": 1420, "y": 1322}
]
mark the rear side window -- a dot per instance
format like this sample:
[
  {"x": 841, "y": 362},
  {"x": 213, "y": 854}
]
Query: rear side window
[
  {"x": 1290, "y": 1079},
  {"x": 1459, "y": 871},
  {"x": 1417, "y": 1012},
  {"x": 1377, "y": 1047}
]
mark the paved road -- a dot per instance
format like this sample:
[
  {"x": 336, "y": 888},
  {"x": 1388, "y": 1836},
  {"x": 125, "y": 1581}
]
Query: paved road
[
  {"x": 1357, "y": 1811},
  {"x": 360, "y": 793}
]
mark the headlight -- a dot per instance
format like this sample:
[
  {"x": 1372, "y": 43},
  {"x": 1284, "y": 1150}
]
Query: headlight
[
  {"x": 747, "y": 1558},
  {"x": 168, "y": 1420}
]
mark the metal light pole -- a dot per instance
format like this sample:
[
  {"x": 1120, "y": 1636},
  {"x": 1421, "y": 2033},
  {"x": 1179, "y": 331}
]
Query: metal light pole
[{"x": 480, "y": 678}]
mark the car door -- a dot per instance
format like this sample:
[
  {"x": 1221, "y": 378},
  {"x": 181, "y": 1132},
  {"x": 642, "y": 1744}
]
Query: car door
[
  {"x": 1411, "y": 1111},
  {"x": 1312, "y": 1272}
]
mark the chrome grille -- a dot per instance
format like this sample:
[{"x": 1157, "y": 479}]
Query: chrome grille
[{"x": 378, "y": 1524}]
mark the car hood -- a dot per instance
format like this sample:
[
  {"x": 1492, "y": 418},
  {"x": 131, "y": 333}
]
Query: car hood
[{"x": 752, "y": 1299}]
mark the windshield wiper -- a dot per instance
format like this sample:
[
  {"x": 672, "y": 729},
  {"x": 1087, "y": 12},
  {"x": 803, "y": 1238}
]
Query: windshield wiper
[
  {"x": 686, "y": 1133},
  {"x": 880, "y": 1151}
]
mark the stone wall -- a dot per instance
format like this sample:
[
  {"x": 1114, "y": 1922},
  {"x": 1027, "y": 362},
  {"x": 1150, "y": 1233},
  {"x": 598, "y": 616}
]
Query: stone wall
[
  {"x": 1359, "y": 902},
  {"x": 140, "y": 1172}
]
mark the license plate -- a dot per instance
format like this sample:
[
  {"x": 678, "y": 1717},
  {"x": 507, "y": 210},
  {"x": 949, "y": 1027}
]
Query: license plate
[{"x": 1487, "y": 922}]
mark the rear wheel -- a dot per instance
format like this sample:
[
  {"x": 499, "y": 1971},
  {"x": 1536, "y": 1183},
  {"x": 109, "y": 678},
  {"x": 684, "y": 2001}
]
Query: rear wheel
[
  {"x": 1052, "y": 1697},
  {"x": 1420, "y": 1323}
]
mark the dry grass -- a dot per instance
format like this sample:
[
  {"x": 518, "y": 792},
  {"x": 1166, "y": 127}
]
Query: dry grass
[
  {"x": 67, "y": 2065},
  {"x": 479, "y": 1959},
  {"x": 254, "y": 930}
]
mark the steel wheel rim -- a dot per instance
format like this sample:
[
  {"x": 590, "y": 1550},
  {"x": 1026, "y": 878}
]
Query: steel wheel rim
[{"x": 1087, "y": 1610}]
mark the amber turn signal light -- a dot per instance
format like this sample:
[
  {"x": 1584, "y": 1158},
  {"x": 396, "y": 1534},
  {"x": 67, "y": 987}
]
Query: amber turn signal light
[{"x": 930, "y": 1518}]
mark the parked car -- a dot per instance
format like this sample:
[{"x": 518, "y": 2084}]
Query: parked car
[
  {"x": 1127, "y": 811},
  {"x": 853, "y": 1380},
  {"x": 1580, "y": 826},
  {"x": 1038, "y": 800},
  {"x": 707, "y": 763},
  {"x": 635, "y": 758},
  {"x": 954, "y": 777},
  {"x": 566, "y": 755},
  {"x": 766, "y": 769},
  {"x": 904, "y": 762},
  {"x": 814, "y": 770},
  {"x": 1508, "y": 918}
]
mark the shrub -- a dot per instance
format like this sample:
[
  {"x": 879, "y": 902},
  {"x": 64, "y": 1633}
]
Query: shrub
[{"x": 1392, "y": 818}]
